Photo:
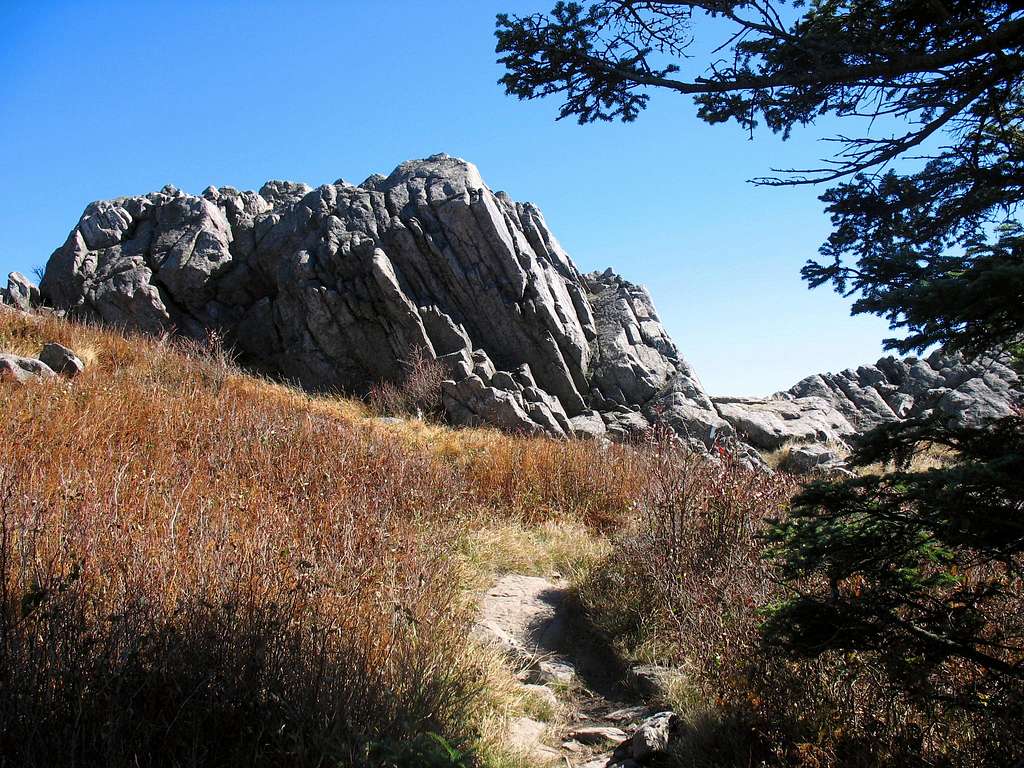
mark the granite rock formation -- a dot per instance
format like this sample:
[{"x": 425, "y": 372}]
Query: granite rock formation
[
  {"x": 20, "y": 292},
  {"x": 334, "y": 287},
  {"x": 831, "y": 407}
]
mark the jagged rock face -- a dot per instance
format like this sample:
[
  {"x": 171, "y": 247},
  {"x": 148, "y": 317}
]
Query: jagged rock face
[
  {"x": 967, "y": 394},
  {"x": 831, "y": 407},
  {"x": 333, "y": 287}
]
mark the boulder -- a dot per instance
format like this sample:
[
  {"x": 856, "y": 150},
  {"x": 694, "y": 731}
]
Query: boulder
[
  {"x": 23, "y": 369},
  {"x": 21, "y": 293},
  {"x": 654, "y": 735},
  {"x": 813, "y": 457},
  {"x": 652, "y": 680},
  {"x": 61, "y": 359},
  {"x": 770, "y": 423},
  {"x": 588, "y": 425}
]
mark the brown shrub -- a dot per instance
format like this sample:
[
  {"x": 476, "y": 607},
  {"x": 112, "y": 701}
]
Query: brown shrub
[
  {"x": 199, "y": 567},
  {"x": 538, "y": 479},
  {"x": 688, "y": 585},
  {"x": 418, "y": 391},
  {"x": 683, "y": 585},
  {"x": 191, "y": 574}
]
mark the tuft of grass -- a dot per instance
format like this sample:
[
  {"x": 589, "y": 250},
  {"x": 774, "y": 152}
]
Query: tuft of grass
[
  {"x": 416, "y": 393},
  {"x": 566, "y": 547}
]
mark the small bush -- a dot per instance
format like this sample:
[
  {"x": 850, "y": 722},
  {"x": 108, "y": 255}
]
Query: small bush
[
  {"x": 418, "y": 391},
  {"x": 683, "y": 585},
  {"x": 198, "y": 567}
]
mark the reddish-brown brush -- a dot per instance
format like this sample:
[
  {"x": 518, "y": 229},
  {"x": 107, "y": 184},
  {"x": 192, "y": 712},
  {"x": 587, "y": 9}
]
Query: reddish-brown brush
[{"x": 200, "y": 568}]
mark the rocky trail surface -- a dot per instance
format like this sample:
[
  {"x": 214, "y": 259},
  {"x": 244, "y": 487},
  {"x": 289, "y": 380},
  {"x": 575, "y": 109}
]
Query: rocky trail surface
[{"x": 601, "y": 721}]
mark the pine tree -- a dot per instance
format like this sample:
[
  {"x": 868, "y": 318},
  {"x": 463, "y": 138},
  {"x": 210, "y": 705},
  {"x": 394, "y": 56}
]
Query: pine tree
[{"x": 924, "y": 567}]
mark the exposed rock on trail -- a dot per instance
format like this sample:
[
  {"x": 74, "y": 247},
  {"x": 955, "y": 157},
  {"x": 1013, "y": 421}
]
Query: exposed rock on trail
[{"x": 527, "y": 618}]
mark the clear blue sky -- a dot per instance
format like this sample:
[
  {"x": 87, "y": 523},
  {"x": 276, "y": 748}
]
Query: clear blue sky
[{"x": 102, "y": 100}]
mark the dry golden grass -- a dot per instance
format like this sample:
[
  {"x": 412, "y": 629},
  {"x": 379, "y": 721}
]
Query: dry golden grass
[{"x": 202, "y": 567}]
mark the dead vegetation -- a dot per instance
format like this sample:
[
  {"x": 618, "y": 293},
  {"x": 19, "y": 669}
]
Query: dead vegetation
[
  {"x": 201, "y": 567},
  {"x": 198, "y": 567},
  {"x": 689, "y": 585}
]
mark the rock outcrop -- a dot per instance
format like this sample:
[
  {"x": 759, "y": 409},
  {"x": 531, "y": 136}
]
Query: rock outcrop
[
  {"x": 831, "y": 407},
  {"x": 20, "y": 292},
  {"x": 334, "y": 287},
  {"x": 965, "y": 394},
  {"x": 770, "y": 423}
]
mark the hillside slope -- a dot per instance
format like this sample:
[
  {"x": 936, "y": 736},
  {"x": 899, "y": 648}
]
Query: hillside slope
[{"x": 202, "y": 567}]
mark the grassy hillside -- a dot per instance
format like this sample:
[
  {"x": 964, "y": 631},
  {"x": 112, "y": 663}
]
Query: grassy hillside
[
  {"x": 201, "y": 567},
  {"x": 214, "y": 569}
]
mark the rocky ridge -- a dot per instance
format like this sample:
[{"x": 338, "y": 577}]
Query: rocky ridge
[
  {"x": 831, "y": 407},
  {"x": 335, "y": 287}
]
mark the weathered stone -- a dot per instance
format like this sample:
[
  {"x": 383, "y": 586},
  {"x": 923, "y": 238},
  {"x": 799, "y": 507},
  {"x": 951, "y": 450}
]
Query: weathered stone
[
  {"x": 813, "y": 457},
  {"x": 773, "y": 422},
  {"x": 588, "y": 425},
  {"x": 627, "y": 714},
  {"x": 548, "y": 671},
  {"x": 629, "y": 425},
  {"x": 968, "y": 393},
  {"x": 598, "y": 734},
  {"x": 654, "y": 734},
  {"x": 334, "y": 286},
  {"x": 652, "y": 679},
  {"x": 20, "y": 292},
  {"x": 61, "y": 359},
  {"x": 23, "y": 369}
]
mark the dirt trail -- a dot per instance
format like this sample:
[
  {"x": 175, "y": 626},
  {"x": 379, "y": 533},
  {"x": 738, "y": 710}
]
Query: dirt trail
[{"x": 548, "y": 644}]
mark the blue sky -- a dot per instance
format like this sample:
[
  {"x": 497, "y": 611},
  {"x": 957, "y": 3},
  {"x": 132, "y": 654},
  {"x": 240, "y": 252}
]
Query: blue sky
[{"x": 101, "y": 101}]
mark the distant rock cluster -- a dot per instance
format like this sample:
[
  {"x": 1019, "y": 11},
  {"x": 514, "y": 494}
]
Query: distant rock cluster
[
  {"x": 832, "y": 407},
  {"x": 335, "y": 287}
]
